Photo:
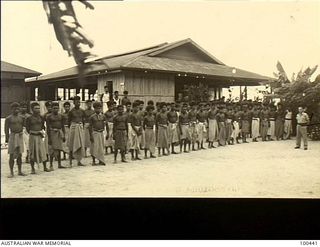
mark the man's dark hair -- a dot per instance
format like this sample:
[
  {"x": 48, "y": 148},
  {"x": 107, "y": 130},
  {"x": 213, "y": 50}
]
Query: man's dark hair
[
  {"x": 14, "y": 105},
  {"x": 48, "y": 103},
  {"x": 149, "y": 108},
  {"x": 76, "y": 98},
  {"x": 34, "y": 104},
  {"x": 54, "y": 104},
  {"x": 150, "y": 102},
  {"x": 125, "y": 92},
  {"x": 97, "y": 104},
  {"x": 135, "y": 104}
]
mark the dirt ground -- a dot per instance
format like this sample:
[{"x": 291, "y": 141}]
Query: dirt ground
[{"x": 263, "y": 169}]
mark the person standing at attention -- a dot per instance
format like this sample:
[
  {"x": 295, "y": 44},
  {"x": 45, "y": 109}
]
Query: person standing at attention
[
  {"x": 76, "y": 139},
  {"x": 302, "y": 122},
  {"x": 14, "y": 137}
]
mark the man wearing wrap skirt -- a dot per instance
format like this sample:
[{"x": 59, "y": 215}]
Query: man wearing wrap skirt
[
  {"x": 255, "y": 129},
  {"x": 236, "y": 124},
  {"x": 135, "y": 131},
  {"x": 193, "y": 123},
  {"x": 49, "y": 150},
  {"x": 36, "y": 129},
  {"x": 185, "y": 137},
  {"x": 245, "y": 125},
  {"x": 272, "y": 122},
  {"x": 120, "y": 134},
  {"x": 212, "y": 125},
  {"x": 162, "y": 130},
  {"x": 65, "y": 145},
  {"x": 229, "y": 124},
  {"x": 109, "y": 115},
  {"x": 149, "y": 128},
  {"x": 76, "y": 138},
  {"x": 13, "y": 126},
  {"x": 264, "y": 120},
  {"x": 24, "y": 114},
  {"x": 280, "y": 118},
  {"x": 97, "y": 125},
  {"x": 87, "y": 113},
  {"x": 173, "y": 135},
  {"x": 202, "y": 117},
  {"x": 56, "y": 134},
  {"x": 221, "y": 119}
]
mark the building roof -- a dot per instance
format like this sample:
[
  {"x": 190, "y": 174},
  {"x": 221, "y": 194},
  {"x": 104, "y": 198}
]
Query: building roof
[
  {"x": 151, "y": 58},
  {"x": 9, "y": 67}
]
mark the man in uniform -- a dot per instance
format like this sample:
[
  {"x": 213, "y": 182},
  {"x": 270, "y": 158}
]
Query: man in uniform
[
  {"x": 272, "y": 122},
  {"x": 229, "y": 124},
  {"x": 76, "y": 139},
  {"x": 14, "y": 137},
  {"x": 288, "y": 124},
  {"x": 125, "y": 98},
  {"x": 302, "y": 122},
  {"x": 56, "y": 134}
]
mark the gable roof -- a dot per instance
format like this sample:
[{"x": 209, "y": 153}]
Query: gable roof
[
  {"x": 150, "y": 59},
  {"x": 10, "y": 67},
  {"x": 191, "y": 67}
]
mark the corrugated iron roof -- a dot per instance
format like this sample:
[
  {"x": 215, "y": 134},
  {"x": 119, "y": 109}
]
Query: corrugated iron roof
[
  {"x": 191, "y": 67},
  {"x": 145, "y": 59},
  {"x": 9, "y": 67}
]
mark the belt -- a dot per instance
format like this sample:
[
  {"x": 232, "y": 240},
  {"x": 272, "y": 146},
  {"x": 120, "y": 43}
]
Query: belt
[
  {"x": 288, "y": 119},
  {"x": 98, "y": 130},
  {"x": 184, "y": 124},
  {"x": 54, "y": 129},
  {"x": 20, "y": 132},
  {"x": 302, "y": 124},
  {"x": 271, "y": 119},
  {"x": 66, "y": 125},
  {"x": 149, "y": 127},
  {"x": 35, "y": 134},
  {"x": 120, "y": 129}
]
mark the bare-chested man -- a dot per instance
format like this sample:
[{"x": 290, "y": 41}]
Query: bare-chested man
[
  {"x": 173, "y": 134},
  {"x": 76, "y": 139},
  {"x": 36, "y": 129},
  {"x": 56, "y": 134},
  {"x": 24, "y": 114},
  {"x": 14, "y": 138},
  {"x": 65, "y": 145},
  {"x": 87, "y": 113},
  {"x": 97, "y": 125}
]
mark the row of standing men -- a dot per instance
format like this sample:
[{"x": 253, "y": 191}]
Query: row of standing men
[{"x": 131, "y": 128}]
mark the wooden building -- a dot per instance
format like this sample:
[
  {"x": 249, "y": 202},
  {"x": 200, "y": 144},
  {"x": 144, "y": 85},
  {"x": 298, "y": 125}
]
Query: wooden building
[
  {"x": 13, "y": 87},
  {"x": 158, "y": 73}
]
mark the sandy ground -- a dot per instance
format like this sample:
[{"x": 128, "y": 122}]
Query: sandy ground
[{"x": 264, "y": 169}]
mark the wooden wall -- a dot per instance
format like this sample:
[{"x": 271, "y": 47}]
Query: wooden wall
[
  {"x": 149, "y": 86},
  {"x": 117, "y": 78},
  {"x": 12, "y": 90},
  {"x": 142, "y": 86}
]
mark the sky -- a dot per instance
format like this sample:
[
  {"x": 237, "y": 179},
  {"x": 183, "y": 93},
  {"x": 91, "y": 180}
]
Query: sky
[{"x": 251, "y": 35}]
